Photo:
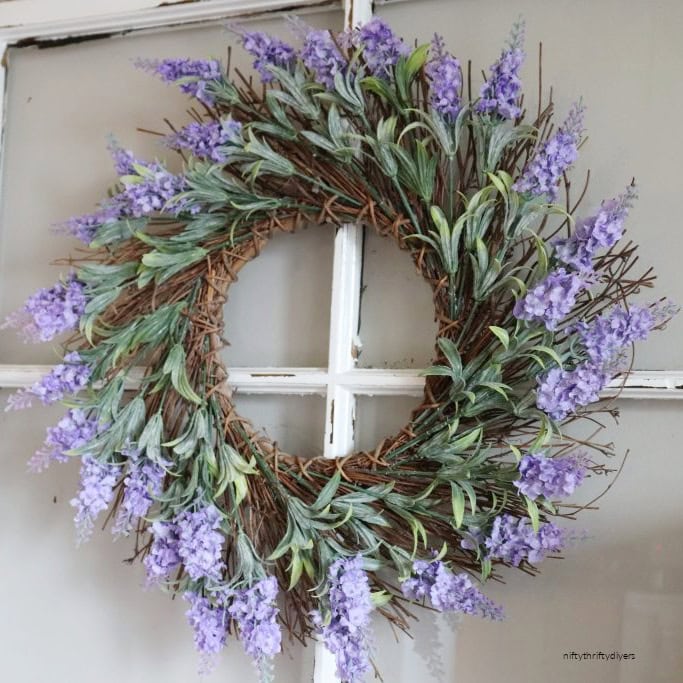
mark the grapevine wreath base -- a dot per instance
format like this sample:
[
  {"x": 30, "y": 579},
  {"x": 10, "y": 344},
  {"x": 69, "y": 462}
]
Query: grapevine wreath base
[{"x": 534, "y": 311}]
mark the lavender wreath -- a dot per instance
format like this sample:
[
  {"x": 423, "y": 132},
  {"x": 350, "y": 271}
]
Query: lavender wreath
[{"x": 533, "y": 305}]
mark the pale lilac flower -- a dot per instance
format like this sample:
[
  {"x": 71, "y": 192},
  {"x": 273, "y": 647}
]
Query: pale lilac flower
[
  {"x": 346, "y": 632},
  {"x": 321, "y": 55},
  {"x": 206, "y": 140},
  {"x": 513, "y": 540},
  {"x": 267, "y": 51},
  {"x": 551, "y": 478},
  {"x": 500, "y": 94},
  {"x": 443, "y": 70},
  {"x": 472, "y": 538},
  {"x": 143, "y": 482},
  {"x": 73, "y": 431},
  {"x": 51, "y": 311},
  {"x": 124, "y": 160},
  {"x": 608, "y": 334},
  {"x": 192, "y": 75},
  {"x": 163, "y": 557},
  {"x": 561, "y": 392},
  {"x": 255, "y": 612},
  {"x": 553, "y": 158},
  {"x": 96, "y": 492},
  {"x": 156, "y": 190},
  {"x": 84, "y": 227},
  {"x": 66, "y": 378},
  {"x": 210, "y": 626},
  {"x": 550, "y": 300},
  {"x": 381, "y": 47},
  {"x": 601, "y": 231},
  {"x": 200, "y": 544},
  {"x": 448, "y": 592}
]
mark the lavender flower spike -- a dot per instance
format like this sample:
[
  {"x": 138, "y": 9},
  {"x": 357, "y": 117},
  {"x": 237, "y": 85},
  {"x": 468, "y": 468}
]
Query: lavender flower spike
[
  {"x": 255, "y": 611},
  {"x": 553, "y": 158},
  {"x": 193, "y": 75},
  {"x": 74, "y": 430},
  {"x": 601, "y": 231},
  {"x": 551, "y": 478},
  {"x": 51, "y": 311},
  {"x": 96, "y": 492},
  {"x": 206, "y": 140},
  {"x": 321, "y": 55},
  {"x": 514, "y": 540},
  {"x": 66, "y": 378},
  {"x": 500, "y": 94},
  {"x": 448, "y": 592},
  {"x": 381, "y": 47},
  {"x": 551, "y": 300},
  {"x": 143, "y": 482},
  {"x": 84, "y": 227},
  {"x": 561, "y": 392},
  {"x": 444, "y": 73},
  {"x": 346, "y": 631},
  {"x": 163, "y": 557},
  {"x": 267, "y": 51},
  {"x": 200, "y": 544},
  {"x": 210, "y": 626}
]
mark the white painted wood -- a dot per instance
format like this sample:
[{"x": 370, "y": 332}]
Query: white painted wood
[
  {"x": 640, "y": 384},
  {"x": 346, "y": 274},
  {"x": 156, "y": 17}
]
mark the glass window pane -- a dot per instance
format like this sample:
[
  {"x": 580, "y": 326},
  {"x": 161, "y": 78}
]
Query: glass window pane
[
  {"x": 296, "y": 423},
  {"x": 623, "y": 66},
  {"x": 378, "y": 417},
  {"x": 62, "y": 103},
  {"x": 397, "y": 327},
  {"x": 100, "y": 619},
  {"x": 619, "y": 589},
  {"x": 278, "y": 312}
]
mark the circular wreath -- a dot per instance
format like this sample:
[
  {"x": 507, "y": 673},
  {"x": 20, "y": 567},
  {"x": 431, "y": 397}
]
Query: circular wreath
[{"x": 534, "y": 319}]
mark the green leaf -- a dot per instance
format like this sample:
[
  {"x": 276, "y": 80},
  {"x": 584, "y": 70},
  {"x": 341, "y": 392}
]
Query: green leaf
[
  {"x": 458, "y": 504},
  {"x": 175, "y": 366},
  {"x": 502, "y": 335},
  {"x": 532, "y": 509}
]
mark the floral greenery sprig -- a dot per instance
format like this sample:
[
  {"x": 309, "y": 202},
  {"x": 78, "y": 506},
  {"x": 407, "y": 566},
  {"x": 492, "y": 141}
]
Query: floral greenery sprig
[{"x": 354, "y": 127}]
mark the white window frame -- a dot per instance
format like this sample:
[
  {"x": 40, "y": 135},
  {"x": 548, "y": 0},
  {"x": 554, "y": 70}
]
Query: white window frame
[{"x": 341, "y": 382}]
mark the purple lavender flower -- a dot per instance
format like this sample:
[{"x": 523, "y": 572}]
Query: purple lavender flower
[
  {"x": 163, "y": 557},
  {"x": 210, "y": 626},
  {"x": 200, "y": 545},
  {"x": 321, "y": 55},
  {"x": 444, "y": 73},
  {"x": 267, "y": 51},
  {"x": 206, "y": 140},
  {"x": 601, "y": 231},
  {"x": 66, "y": 378},
  {"x": 500, "y": 94},
  {"x": 553, "y": 158},
  {"x": 448, "y": 592},
  {"x": 513, "y": 539},
  {"x": 73, "y": 431},
  {"x": 143, "y": 482},
  {"x": 255, "y": 611},
  {"x": 561, "y": 392},
  {"x": 51, "y": 311},
  {"x": 550, "y": 477},
  {"x": 193, "y": 75},
  {"x": 608, "y": 334},
  {"x": 550, "y": 300},
  {"x": 381, "y": 47},
  {"x": 346, "y": 632},
  {"x": 155, "y": 190},
  {"x": 84, "y": 227},
  {"x": 97, "y": 490},
  {"x": 124, "y": 160}
]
